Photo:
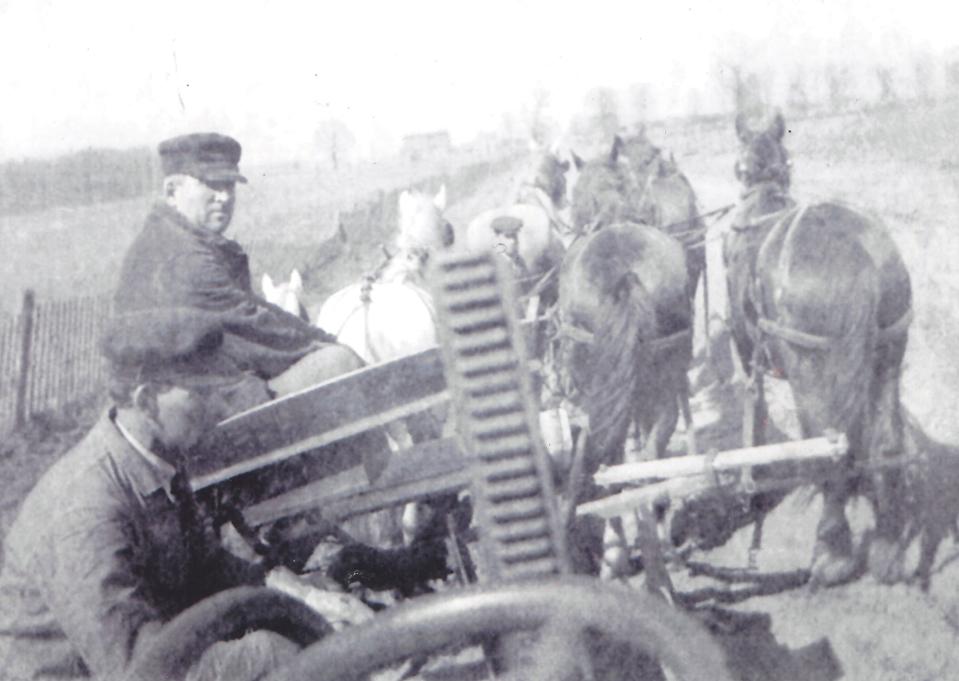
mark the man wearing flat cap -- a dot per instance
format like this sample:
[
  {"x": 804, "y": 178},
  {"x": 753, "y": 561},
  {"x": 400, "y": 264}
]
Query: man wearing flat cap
[
  {"x": 506, "y": 229},
  {"x": 182, "y": 276},
  {"x": 111, "y": 544}
]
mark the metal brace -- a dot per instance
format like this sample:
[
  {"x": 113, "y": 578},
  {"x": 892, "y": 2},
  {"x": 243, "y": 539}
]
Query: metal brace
[
  {"x": 835, "y": 438},
  {"x": 747, "y": 483},
  {"x": 709, "y": 467}
]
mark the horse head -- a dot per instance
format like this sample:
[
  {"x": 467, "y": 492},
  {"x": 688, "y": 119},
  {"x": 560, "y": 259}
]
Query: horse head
[
  {"x": 639, "y": 150},
  {"x": 285, "y": 295},
  {"x": 606, "y": 190},
  {"x": 421, "y": 231},
  {"x": 762, "y": 156},
  {"x": 421, "y": 223},
  {"x": 551, "y": 177}
]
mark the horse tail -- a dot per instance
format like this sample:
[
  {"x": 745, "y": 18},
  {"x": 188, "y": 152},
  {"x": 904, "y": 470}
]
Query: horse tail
[
  {"x": 831, "y": 288},
  {"x": 625, "y": 325}
]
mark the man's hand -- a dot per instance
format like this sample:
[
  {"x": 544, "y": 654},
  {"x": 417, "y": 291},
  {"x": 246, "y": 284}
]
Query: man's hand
[{"x": 340, "y": 609}]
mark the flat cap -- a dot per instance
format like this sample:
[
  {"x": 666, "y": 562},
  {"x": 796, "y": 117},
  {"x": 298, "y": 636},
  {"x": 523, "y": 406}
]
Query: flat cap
[
  {"x": 506, "y": 224},
  {"x": 206, "y": 156}
]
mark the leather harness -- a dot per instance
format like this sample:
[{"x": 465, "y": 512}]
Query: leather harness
[{"x": 804, "y": 339}]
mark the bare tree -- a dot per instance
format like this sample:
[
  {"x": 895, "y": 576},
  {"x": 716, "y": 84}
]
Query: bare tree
[
  {"x": 952, "y": 77},
  {"x": 603, "y": 107},
  {"x": 798, "y": 98},
  {"x": 744, "y": 87},
  {"x": 334, "y": 142},
  {"x": 922, "y": 75},
  {"x": 840, "y": 86},
  {"x": 538, "y": 122},
  {"x": 640, "y": 102},
  {"x": 887, "y": 90}
]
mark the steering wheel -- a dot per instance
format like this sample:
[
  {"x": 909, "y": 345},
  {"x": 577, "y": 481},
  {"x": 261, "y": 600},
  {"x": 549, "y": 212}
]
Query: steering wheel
[
  {"x": 562, "y": 608},
  {"x": 227, "y": 615}
]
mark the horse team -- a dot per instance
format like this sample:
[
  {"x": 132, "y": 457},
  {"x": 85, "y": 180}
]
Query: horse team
[{"x": 818, "y": 295}]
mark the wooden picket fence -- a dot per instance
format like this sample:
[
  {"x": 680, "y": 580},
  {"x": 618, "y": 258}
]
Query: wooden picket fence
[{"x": 49, "y": 356}]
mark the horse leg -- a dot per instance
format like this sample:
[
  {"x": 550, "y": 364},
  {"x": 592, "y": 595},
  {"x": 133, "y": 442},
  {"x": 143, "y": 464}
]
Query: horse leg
[
  {"x": 691, "y": 448},
  {"x": 657, "y": 417},
  {"x": 886, "y": 551},
  {"x": 615, "y": 563},
  {"x": 416, "y": 515},
  {"x": 833, "y": 560},
  {"x": 654, "y": 558},
  {"x": 705, "y": 275},
  {"x": 755, "y": 413}
]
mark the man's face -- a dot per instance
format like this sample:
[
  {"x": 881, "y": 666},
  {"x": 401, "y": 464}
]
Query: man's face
[
  {"x": 207, "y": 204},
  {"x": 182, "y": 416},
  {"x": 506, "y": 243}
]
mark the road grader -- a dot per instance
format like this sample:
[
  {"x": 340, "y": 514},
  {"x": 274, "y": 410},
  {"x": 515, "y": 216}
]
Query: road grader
[{"x": 532, "y": 617}]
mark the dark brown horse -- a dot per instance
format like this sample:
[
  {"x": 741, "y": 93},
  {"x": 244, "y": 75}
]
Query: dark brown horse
[
  {"x": 819, "y": 295},
  {"x": 628, "y": 343},
  {"x": 637, "y": 182},
  {"x": 669, "y": 202}
]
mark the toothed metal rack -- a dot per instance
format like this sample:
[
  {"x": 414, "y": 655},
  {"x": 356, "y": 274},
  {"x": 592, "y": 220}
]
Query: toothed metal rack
[{"x": 497, "y": 420}]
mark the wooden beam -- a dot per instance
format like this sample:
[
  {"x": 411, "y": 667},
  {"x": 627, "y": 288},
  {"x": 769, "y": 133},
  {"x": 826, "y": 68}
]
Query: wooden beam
[
  {"x": 425, "y": 470},
  {"x": 322, "y": 415},
  {"x": 319, "y": 416},
  {"x": 683, "y": 466}
]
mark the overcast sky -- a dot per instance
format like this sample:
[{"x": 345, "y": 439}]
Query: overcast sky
[{"x": 85, "y": 73}]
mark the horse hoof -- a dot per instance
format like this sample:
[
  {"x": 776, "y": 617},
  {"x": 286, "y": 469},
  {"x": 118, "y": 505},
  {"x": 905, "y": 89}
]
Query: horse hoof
[
  {"x": 615, "y": 564},
  {"x": 886, "y": 561},
  {"x": 830, "y": 568}
]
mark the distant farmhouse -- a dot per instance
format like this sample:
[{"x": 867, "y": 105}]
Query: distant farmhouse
[{"x": 426, "y": 146}]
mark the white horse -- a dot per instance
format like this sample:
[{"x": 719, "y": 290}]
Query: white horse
[
  {"x": 390, "y": 313},
  {"x": 285, "y": 294}
]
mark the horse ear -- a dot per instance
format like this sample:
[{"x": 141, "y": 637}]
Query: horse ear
[
  {"x": 667, "y": 165},
  {"x": 641, "y": 131},
  {"x": 266, "y": 285},
  {"x": 577, "y": 161},
  {"x": 742, "y": 129},
  {"x": 778, "y": 126},
  {"x": 564, "y": 166},
  {"x": 616, "y": 148},
  {"x": 440, "y": 199},
  {"x": 663, "y": 166},
  {"x": 296, "y": 281},
  {"x": 625, "y": 286}
]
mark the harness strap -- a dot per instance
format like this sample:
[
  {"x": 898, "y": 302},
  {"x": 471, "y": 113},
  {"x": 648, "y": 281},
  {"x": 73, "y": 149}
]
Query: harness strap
[
  {"x": 662, "y": 344},
  {"x": 897, "y": 328},
  {"x": 546, "y": 203},
  {"x": 669, "y": 342},
  {"x": 794, "y": 336},
  {"x": 814, "y": 342}
]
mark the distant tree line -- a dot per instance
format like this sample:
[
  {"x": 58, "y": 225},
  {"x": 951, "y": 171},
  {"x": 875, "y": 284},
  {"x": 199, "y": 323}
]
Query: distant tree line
[{"x": 84, "y": 177}]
